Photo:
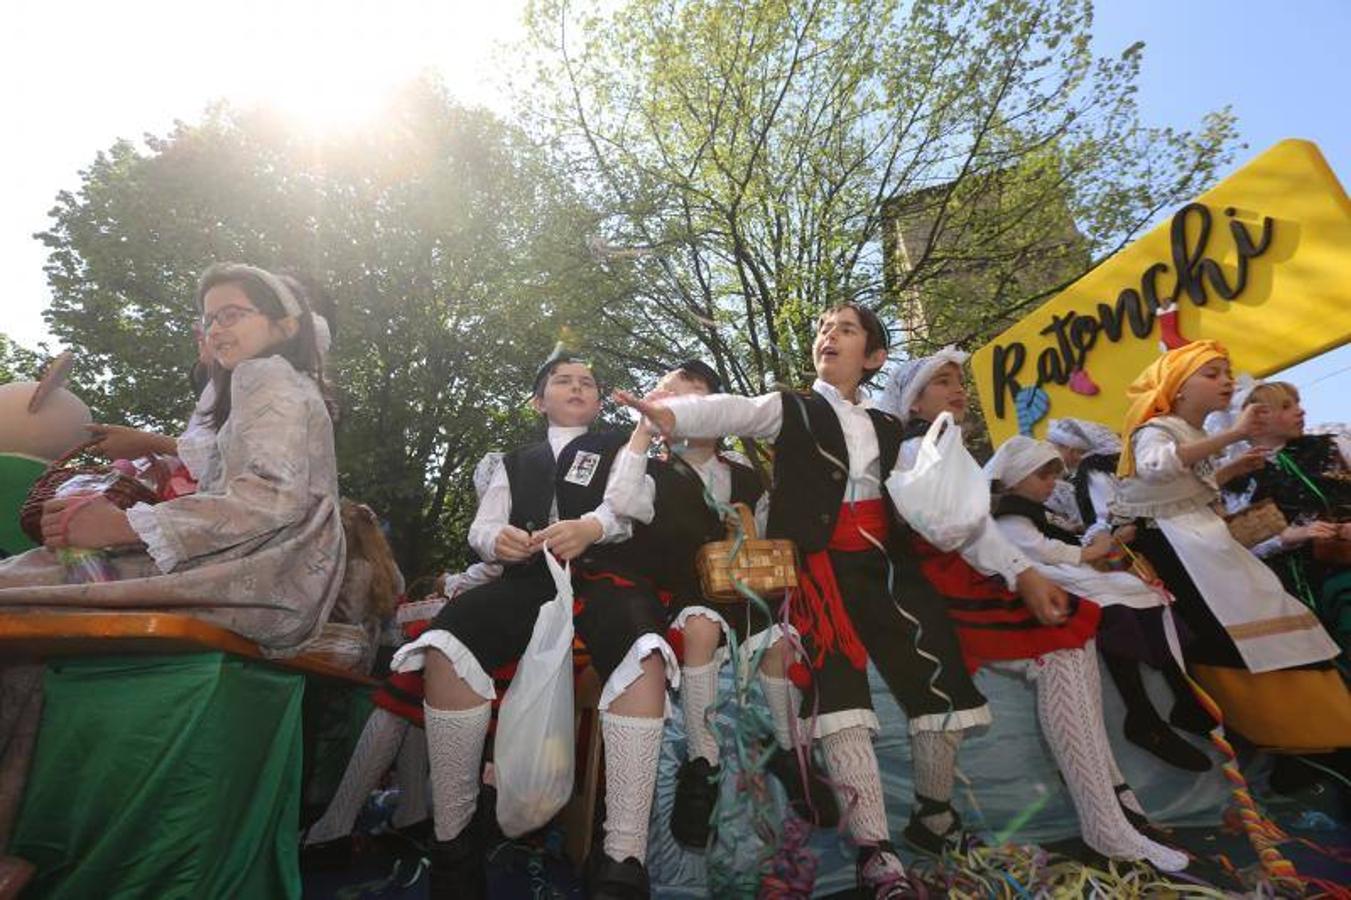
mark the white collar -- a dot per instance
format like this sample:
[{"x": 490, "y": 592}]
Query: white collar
[
  {"x": 562, "y": 435},
  {"x": 832, "y": 393},
  {"x": 711, "y": 462}
]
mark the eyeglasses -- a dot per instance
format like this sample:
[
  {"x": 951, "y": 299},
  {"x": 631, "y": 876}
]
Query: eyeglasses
[{"x": 226, "y": 317}]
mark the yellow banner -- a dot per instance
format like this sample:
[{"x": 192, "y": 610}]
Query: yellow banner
[{"x": 1261, "y": 263}]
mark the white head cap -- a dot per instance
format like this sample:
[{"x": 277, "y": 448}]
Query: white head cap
[
  {"x": 1019, "y": 457},
  {"x": 1082, "y": 434},
  {"x": 910, "y": 377}
]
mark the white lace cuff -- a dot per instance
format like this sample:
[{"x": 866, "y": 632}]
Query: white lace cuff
[{"x": 143, "y": 521}]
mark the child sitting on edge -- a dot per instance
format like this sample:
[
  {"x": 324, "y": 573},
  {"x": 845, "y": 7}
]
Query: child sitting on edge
[
  {"x": 549, "y": 497},
  {"x": 670, "y": 500}
]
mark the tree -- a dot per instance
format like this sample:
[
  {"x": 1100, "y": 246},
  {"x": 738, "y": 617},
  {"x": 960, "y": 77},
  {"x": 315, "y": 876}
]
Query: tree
[
  {"x": 748, "y": 154},
  {"x": 450, "y": 256},
  {"x": 18, "y": 363}
]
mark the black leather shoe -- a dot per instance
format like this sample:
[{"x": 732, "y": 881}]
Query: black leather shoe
[
  {"x": 1167, "y": 745},
  {"x": 457, "y": 870},
  {"x": 822, "y": 811},
  {"x": 696, "y": 795},
  {"x": 610, "y": 880},
  {"x": 327, "y": 856},
  {"x": 919, "y": 837},
  {"x": 878, "y": 883}
]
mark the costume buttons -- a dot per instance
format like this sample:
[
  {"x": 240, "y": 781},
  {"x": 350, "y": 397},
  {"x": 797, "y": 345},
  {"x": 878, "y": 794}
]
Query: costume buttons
[
  {"x": 837, "y": 474},
  {"x": 825, "y": 518}
]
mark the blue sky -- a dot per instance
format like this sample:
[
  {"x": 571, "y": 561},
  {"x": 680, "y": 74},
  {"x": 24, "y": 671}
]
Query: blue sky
[
  {"x": 1282, "y": 66},
  {"x": 1284, "y": 69}
]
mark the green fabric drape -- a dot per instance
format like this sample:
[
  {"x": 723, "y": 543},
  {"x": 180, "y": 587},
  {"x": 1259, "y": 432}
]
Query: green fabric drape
[{"x": 165, "y": 777}]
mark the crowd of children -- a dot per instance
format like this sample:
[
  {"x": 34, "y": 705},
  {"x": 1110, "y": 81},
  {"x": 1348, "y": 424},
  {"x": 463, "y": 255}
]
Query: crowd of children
[{"x": 1097, "y": 540}]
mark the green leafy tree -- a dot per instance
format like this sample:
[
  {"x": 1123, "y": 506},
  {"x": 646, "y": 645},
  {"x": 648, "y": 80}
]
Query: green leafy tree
[
  {"x": 448, "y": 251},
  {"x": 749, "y": 156}
]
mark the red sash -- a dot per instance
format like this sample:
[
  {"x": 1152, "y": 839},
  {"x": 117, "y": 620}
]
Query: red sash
[{"x": 818, "y": 608}]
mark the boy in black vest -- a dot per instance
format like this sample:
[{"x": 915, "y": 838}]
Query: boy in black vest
[
  {"x": 549, "y": 493},
  {"x": 667, "y": 495},
  {"x": 831, "y": 454}
]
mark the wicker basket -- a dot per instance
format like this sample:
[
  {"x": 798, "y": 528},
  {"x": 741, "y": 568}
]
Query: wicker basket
[
  {"x": 1255, "y": 524},
  {"x": 766, "y": 567},
  {"x": 124, "y": 491}
]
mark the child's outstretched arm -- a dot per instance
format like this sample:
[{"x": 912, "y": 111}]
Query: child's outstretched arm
[{"x": 711, "y": 416}]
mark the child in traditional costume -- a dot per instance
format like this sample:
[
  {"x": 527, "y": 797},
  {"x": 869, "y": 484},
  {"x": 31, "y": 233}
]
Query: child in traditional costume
[
  {"x": 258, "y": 549},
  {"x": 1023, "y": 473},
  {"x": 831, "y": 454},
  {"x": 1308, "y": 477},
  {"x": 1127, "y": 636},
  {"x": 994, "y": 625},
  {"x": 669, "y": 497},
  {"x": 1261, "y": 654},
  {"x": 549, "y": 497}
]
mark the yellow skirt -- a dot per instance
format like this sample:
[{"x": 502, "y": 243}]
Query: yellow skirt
[{"x": 1301, "y": 710}]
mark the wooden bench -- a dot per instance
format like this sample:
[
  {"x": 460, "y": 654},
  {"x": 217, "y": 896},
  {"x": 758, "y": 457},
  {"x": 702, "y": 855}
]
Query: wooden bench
[{"x": 40, "y": 636}]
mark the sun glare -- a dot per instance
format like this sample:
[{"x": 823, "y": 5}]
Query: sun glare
[{"x": 334, "y": 66}]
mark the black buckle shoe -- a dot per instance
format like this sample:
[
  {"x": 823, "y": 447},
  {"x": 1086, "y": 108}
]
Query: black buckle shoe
[
  {"x": 1167, "y": 745},
  {"x": 822, "y": 811},
  {"x": 877, "y": 885},
  {"x": 610, "y": 880},
  {"x": 1188, "y": 715},
  {"x": 457, "y": 869},
  {"x": 696, "y": 795},
  {"x": 327, "y": 856},
  {"x": 919, "y": 837}
]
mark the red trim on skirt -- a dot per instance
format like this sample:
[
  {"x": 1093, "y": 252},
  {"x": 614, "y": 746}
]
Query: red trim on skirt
[{"x": 992, "y": 623}]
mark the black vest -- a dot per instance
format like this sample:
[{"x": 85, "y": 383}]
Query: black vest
[
  {"x": 536, "y": 480},
  {"x": 808, "y": 486},
  {"x": 684, "y": 522},
  {"x": 1013, "y": 505},
  {"x": 1095, "y": 462}
]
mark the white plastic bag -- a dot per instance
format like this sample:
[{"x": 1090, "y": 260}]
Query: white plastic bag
[
  {"x": 945, "y": 495},
  {"x": 533, "y": 757}
]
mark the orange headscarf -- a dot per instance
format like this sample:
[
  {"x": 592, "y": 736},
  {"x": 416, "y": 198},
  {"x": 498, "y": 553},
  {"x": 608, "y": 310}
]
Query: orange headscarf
[{"x": 1152, "y": 393}]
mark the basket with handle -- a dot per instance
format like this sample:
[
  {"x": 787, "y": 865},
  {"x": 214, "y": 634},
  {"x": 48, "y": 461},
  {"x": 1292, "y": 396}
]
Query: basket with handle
[
  {"x": 767, "y": 567},
  {"x": 121, "y": 490},
  {"x": 1256, "y": 523}
]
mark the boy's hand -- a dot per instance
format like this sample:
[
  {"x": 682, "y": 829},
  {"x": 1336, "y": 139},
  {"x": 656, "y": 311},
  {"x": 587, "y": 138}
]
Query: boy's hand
[
  {"x": 569, "y": 538},
  {"x": 1252, "y": 420},
  {"x": 513, "y": 545},
  {"x": 1125, "y": 534},
  {"x": 644, "y": 431},
  {"x": 654, "y": 411},
  {"x": 1045, "y": 599}
]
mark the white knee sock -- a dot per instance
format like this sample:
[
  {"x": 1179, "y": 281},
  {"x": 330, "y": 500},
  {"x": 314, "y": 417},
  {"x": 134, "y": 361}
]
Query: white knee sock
[
  {"x": 371, "y": 758},
  {"x": 784, "y": 701},
  {"x": 698, "y": 691},
  {"x": 1094, "y": 677},
  {"x": 455, "y": 752},
  {"x": 632, "y": 745},
  {"x": 852, "y": 764},
  {"x": 410, "y": 769},
  {"x": 1078, "y": 741},
  {"x": 935, "y": 756}
]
